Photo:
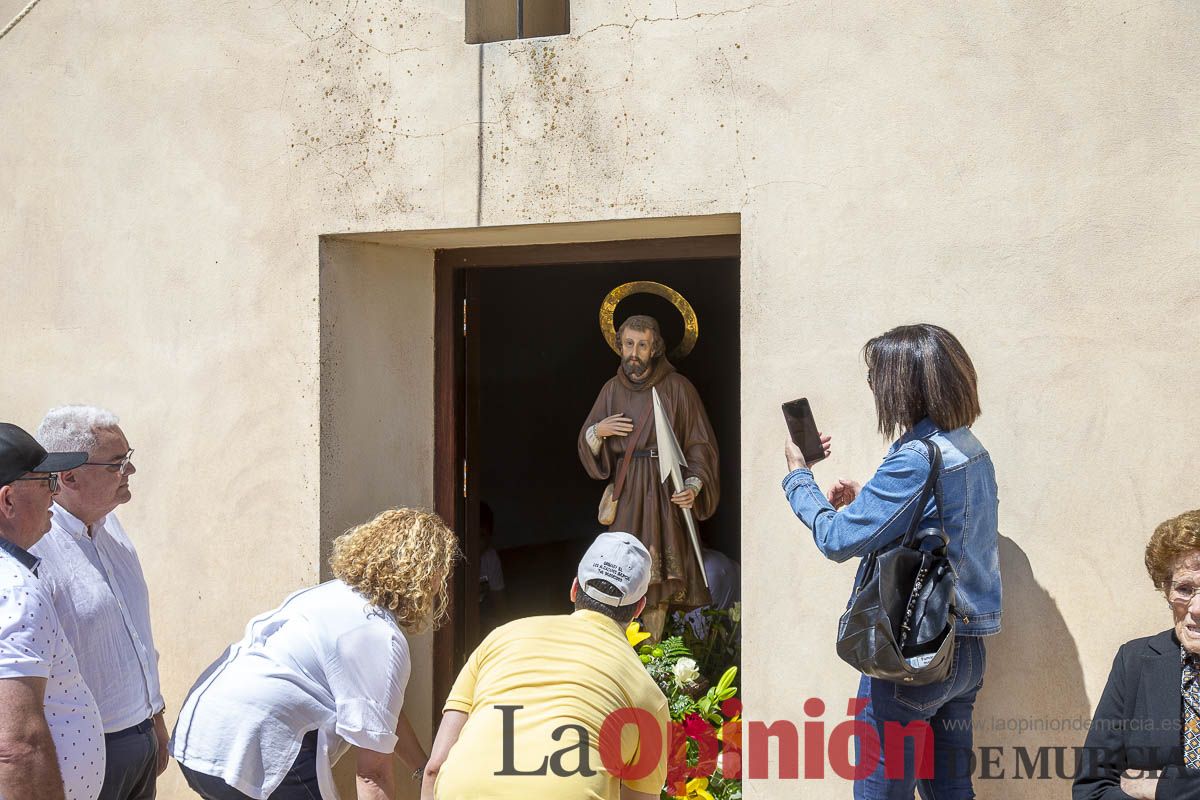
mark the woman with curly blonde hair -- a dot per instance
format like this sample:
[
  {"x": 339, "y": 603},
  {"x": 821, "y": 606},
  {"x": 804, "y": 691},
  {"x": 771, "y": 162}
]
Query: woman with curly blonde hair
[
  {"x": 1144, "y": 741},
  {"x": 325, "y": 670}
]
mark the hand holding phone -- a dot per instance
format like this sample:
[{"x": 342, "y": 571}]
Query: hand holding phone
[{"x": 803, "y": 429}]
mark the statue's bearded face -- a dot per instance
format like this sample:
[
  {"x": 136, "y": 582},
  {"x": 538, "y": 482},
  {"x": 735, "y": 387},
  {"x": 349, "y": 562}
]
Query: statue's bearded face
[{"x": 637, "y": 353}]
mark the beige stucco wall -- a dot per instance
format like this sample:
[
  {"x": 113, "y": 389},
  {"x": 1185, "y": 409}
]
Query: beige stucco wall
[
  {"x": 1021, "y": 172},
  {"x": 377, "y": 415}
]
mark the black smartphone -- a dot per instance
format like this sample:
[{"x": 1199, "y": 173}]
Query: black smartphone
[{"x": 803, "y": 429}]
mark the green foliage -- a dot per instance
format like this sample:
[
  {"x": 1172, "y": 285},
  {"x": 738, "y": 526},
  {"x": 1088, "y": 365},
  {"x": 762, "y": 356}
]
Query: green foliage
[
  {"x": 675, "y": 648},
  {"x": 725, "y": 788},
  {"x": 698, "y": 674},
  {"x": 679, "y": 706}
]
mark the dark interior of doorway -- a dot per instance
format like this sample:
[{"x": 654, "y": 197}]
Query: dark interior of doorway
[{"x": 542, "y": 360}]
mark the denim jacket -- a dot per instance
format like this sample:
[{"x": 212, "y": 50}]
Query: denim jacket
[{"x": 883, "y": 512}]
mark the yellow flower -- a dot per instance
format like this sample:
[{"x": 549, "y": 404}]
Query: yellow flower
[
  {"x": 634, "y": 634},
  {"x": 696, "y": 789},
  {"x": 721, "y": 733}
]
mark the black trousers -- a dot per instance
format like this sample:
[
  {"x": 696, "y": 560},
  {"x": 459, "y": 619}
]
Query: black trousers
[
  {"x": 300, "y": 783},
  {"x": 131, "y": 763}
]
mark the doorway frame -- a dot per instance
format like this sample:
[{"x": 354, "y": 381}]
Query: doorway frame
[{"x": 450, "y": 413}]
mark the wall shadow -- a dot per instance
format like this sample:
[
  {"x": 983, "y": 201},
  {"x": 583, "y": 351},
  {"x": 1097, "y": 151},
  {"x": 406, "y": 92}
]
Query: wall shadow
[{"x": 1033, "y": 695}]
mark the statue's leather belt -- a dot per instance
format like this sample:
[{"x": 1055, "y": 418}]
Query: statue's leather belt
[{"x": 651, "y": 453}]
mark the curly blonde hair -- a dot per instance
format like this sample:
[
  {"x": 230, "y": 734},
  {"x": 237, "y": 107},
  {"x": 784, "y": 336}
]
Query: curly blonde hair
[
  {"x": 400, "y": 561},
  {"x": 1171, "y": 541}
]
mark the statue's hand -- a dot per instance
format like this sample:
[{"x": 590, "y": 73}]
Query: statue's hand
[
  {"x": 685, "y": 498},
  {"x": 616, "y": 425}
]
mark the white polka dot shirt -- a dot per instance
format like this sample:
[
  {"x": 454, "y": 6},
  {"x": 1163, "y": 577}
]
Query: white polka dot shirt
[{"x": 32, "y": 645}]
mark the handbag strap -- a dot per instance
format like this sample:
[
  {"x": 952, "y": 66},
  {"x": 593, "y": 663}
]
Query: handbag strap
[
  {"x": 932, "y": 485},
  {"x": 635, "y": 441},
  {"x": 935, "y": 461}
]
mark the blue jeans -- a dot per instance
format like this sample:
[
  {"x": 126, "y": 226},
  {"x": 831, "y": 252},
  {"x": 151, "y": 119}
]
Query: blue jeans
[{"x": 947, "y": 707}]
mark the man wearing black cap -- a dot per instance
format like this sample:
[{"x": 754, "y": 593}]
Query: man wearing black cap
[{"x": 63, "y": 758}]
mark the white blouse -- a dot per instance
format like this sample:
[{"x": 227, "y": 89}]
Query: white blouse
[{"x": 325, "y": 660}]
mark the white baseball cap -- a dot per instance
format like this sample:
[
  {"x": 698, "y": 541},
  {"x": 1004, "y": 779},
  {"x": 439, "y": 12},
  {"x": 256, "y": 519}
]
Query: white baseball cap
[{"x": 620, "y": 559}]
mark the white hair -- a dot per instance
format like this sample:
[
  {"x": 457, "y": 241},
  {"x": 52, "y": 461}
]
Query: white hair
[{"x": 72, "y": 429}]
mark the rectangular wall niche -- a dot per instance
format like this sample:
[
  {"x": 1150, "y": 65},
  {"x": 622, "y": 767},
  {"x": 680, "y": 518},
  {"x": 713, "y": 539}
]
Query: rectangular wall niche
[{"x": 503, "y": 20}]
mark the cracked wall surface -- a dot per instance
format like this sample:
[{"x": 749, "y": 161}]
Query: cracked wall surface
[{"x": 1022, "y": 172}]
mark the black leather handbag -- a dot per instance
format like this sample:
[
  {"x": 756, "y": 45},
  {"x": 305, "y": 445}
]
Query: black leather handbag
[{"x": 899, "y": 624}]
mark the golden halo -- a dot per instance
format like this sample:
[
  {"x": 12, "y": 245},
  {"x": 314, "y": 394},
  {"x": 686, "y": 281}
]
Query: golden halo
[{"x": 691, "y": 326}]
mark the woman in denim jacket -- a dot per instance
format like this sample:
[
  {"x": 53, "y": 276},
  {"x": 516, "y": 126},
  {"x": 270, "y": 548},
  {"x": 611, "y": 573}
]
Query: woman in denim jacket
[{"x": 925, "y": 388}]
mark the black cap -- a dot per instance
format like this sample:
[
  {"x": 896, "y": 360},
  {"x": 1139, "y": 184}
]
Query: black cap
[{"x": 20, "y": 453}]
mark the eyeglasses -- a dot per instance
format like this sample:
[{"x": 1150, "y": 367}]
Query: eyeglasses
[
  {"x": 1182, "y": 593},
  {"x": 50, "y": 478},
  {"x": 122, "y": 466}
]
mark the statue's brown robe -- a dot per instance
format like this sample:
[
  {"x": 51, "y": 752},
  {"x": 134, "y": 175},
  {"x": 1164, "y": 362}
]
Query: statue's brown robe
[{"x": 645, "y": 508}]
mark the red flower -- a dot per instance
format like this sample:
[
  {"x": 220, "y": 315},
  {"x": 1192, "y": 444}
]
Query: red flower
[{"x": 695, "y": 726}]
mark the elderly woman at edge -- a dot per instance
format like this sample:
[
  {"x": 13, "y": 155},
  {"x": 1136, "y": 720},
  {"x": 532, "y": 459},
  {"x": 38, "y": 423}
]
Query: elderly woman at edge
[
  {"x": 325, "y": 670},
  {"x": 1145, "y": 737}
]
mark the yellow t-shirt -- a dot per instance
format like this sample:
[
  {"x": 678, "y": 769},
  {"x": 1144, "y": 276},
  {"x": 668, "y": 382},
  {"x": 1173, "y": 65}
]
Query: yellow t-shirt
[{"x": 567, "y": 673}]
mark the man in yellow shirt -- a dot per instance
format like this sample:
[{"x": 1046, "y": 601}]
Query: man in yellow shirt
[{"x": 559, "y": 707}]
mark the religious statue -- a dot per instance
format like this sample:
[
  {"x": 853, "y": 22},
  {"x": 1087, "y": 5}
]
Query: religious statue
[{"x": 622, "y": 419}]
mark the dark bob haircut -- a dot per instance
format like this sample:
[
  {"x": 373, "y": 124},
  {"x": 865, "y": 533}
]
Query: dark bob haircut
[{"x": 918, "y": 371}]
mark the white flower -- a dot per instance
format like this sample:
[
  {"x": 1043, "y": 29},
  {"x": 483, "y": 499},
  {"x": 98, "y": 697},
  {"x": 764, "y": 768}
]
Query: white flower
[
  {"x": 686, "y": 671},
  {"x": 735, "y": 613}
]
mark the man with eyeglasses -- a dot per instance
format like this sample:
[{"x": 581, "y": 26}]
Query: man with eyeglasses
[
  {"x": 100, "y": 593},
  {"x": 50, "y": 742}
]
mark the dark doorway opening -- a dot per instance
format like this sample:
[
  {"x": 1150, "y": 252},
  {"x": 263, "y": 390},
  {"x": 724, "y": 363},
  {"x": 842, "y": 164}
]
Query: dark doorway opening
[{"x": 528, "y": 364}]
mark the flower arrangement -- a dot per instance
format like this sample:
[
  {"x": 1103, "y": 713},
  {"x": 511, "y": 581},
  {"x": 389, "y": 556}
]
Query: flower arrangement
[{"x": 698, "y": 674}]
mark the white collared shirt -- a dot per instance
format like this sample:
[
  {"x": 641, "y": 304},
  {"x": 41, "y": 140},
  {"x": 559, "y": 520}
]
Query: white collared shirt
[
  {"x": 32, "y": 645},
  {"x": 101, "y": 598},
  {"x": 325, "y": 660}
]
